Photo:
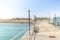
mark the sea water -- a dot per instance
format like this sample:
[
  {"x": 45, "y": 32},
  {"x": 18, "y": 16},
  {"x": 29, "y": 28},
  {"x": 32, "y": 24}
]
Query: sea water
[{"x": 9, "y": 30}]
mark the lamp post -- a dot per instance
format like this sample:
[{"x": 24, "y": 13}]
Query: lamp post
[{"x": 29, "y": 20}]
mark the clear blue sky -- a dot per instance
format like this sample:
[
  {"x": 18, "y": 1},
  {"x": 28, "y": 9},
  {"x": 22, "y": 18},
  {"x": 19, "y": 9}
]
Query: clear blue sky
[{"x": 19, "y": 8}]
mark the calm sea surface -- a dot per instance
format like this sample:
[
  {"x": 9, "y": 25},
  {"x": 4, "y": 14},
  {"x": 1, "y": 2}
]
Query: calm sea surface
[{"x": 9, "y": 30}]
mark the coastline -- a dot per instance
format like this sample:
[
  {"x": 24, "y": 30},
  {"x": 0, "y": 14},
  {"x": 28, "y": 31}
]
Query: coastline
[
  {"x": 20, "y": 20},
  {"x": 13, "y": 21}
]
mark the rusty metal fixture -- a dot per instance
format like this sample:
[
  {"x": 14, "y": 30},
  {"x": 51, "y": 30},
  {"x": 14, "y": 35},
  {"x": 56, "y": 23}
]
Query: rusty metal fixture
[{"x": 52, "y": 36}]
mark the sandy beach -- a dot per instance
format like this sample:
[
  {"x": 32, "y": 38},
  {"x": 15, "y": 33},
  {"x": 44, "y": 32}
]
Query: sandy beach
[{"x": 47, "y": 31}]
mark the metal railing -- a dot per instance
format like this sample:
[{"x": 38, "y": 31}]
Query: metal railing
[{"x": 19, "y": 35}]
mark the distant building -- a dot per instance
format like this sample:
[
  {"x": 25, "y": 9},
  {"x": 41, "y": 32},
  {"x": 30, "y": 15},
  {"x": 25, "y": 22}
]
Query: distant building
[{"x": 56, "y": 21}]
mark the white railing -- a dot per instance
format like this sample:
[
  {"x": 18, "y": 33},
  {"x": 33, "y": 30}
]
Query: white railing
[{"x": 19, "y": 35}]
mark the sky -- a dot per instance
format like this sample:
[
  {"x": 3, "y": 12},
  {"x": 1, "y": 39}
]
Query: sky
[{"x": 19, "y": 8}]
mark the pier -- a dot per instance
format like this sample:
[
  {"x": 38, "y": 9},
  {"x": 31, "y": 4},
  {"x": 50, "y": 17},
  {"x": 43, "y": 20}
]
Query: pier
[{"x": 47, "y": 31}]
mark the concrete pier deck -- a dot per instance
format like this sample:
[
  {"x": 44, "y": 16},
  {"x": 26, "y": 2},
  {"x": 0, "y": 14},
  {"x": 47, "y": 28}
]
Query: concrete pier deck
[{"x": 47, "y": 31}]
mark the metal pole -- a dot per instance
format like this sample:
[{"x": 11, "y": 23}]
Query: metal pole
[
  {"x": 29, "y": 20},
  {"x": 49, "y": 19},
  {"x": 55, "y": 20},
  {"x": 34, "y": 27}
]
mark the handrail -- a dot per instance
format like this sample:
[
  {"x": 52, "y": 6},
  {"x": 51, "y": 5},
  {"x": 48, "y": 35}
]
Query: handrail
[{"x": 19, "y": 34}]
